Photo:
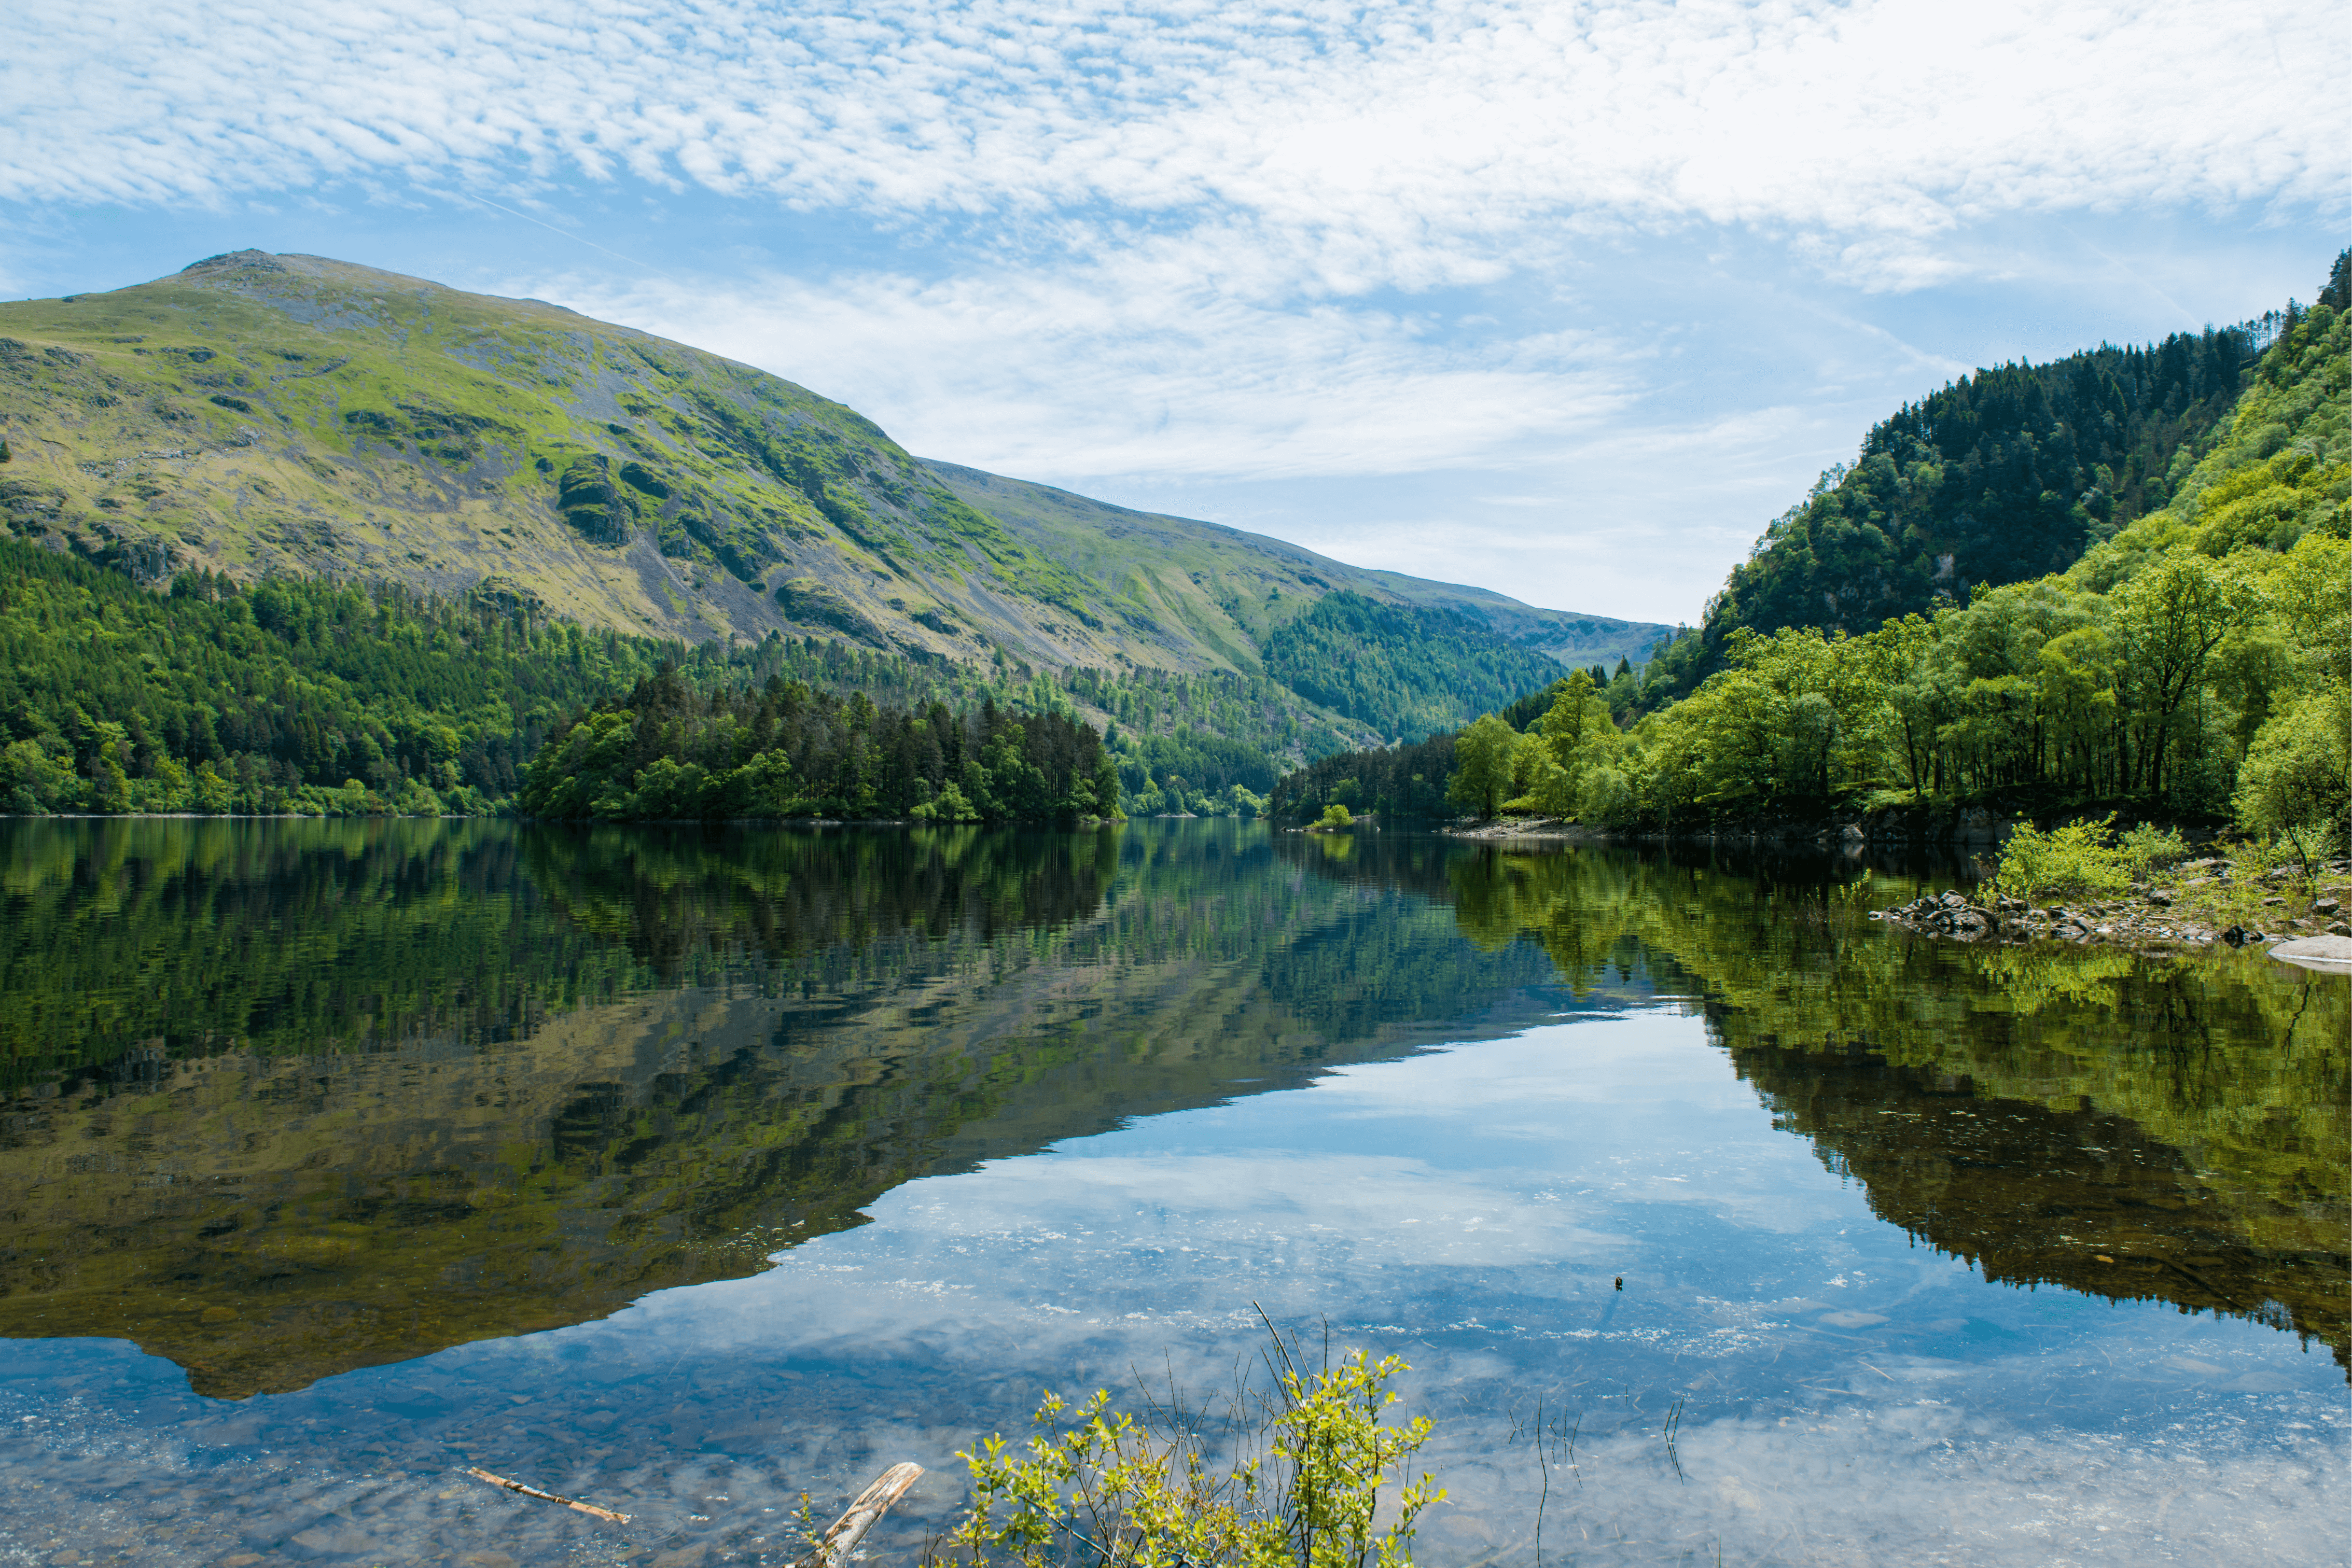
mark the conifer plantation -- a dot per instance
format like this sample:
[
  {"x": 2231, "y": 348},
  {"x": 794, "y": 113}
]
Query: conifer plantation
[
  {"x": 665, "y": 753},
  {"x": 288, "y": 695}
]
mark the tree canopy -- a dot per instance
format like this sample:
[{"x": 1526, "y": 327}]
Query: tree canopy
[{"x": 2196, "y": 662}]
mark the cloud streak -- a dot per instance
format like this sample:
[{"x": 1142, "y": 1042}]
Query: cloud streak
[{"x": 1144, "y": 364}]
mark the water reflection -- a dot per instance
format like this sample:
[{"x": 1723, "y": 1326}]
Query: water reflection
[
  {"x": 510, "y": 1080},
  {"x": 377, "y": 1128},
  {"x": 2140, "y": 1127}
]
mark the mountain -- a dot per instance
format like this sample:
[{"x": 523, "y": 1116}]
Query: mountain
[
  {"x": 2184, "y": 662},
  {"x": 287, "y": 415},
  {"x": 1998, "y": 477},
  {"x": 1232, "y": 589}
]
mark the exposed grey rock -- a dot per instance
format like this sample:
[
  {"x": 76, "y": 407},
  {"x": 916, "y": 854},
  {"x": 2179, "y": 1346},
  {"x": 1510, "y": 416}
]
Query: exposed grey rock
[{"x": 2330, "y": 954}]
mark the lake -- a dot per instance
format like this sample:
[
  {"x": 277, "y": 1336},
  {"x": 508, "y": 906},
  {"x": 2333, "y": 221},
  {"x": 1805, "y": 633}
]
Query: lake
[{"x": 689, "y": 1171}]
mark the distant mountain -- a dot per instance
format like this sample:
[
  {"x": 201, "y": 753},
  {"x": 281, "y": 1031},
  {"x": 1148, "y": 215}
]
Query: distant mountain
[
  {"x": 292, "y": 415},
  {"x": 1232, "y": 590}
]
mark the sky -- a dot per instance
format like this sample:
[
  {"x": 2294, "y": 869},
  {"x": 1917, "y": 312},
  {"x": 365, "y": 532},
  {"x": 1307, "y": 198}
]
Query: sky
[{"x": 1564, "y": 300}]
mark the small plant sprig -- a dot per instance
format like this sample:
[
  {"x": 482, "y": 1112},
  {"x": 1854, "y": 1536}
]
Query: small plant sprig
[{"x": 1107, "y": 1491}]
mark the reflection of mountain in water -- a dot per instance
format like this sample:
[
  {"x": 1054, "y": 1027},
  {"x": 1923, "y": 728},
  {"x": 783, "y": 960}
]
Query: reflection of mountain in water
[
  {"x": 294, "y": 1098},
  {"x": 2033, "y": 1111},
  {"x": 734, "y": 1040}
]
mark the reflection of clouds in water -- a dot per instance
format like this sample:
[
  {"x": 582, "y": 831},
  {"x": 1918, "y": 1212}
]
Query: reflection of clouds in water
[
  {"x": 1646, "y": 1058},
  {"x": 1911, "y": 1483},
  {"x": 1843, "y": 1394}
]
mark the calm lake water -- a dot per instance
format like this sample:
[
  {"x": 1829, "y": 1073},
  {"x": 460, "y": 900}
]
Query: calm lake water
[{"x": 685, "y": 1172}]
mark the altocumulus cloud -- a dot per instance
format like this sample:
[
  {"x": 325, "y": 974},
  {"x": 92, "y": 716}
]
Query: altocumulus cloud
[
  {"x": 1233, "y": 240},
  {"x": 1393, "y": 144}
]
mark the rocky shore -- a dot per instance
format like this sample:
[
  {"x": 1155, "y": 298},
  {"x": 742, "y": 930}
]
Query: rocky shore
[{"x": 2199, "y": 903}]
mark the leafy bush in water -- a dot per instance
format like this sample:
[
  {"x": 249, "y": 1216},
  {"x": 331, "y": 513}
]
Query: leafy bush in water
[
  {"x": 1336, "y": 816},
  {"x": 1113, "y": 1492}
]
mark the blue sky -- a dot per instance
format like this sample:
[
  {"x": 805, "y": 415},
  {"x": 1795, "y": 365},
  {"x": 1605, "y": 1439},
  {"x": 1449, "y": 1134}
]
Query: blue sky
[{"x": 1567, "y": 300}]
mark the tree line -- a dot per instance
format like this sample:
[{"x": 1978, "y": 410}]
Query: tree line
[
  {"x": 667, "y": 752},
  {"x": 2002, "y": 476},
  {"x": 325, "y": 698},
  {"x": 285, "y": 696},
  {"x": 2198, "y": 663}
]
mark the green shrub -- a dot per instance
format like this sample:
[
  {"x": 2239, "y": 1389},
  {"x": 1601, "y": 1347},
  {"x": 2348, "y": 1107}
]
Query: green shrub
[
  {"x": 2297, "y": 783},
  {"x": 2076, "y": 858},
  {"x": 2148, "y": 848},
  {"x": 1115, "y": 1493},
  {"x": 1336, "y": 816}
]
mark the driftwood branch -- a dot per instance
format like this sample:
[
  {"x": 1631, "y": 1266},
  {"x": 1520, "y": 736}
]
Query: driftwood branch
[
  {"x": 838, "y": 1543},
  {"x": 604, "y": 1513}
]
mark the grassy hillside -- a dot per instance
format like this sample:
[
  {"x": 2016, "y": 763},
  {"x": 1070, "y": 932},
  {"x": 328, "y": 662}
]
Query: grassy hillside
[
  {"x": 292, "y": 416},
  {"x": 1232, "y": 590}
]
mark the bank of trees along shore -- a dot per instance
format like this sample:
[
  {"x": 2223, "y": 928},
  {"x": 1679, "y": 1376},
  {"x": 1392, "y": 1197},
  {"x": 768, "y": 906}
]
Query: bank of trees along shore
[
  {"x": 317, "y": 697},
  {"x": 2194, "y": 664},
  {"x": 667, "y": 752}
]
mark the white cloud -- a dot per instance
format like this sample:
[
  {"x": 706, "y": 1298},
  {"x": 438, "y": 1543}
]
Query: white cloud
[
  {"x": 1177, "y": 241},
  {"x": 1403, "y": 144},
  {"x": 1147, "y": 364}
]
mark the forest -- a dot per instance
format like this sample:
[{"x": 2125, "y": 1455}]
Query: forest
[
  {"x": 667, "y": 752},
  {"x": 2192, "y": 663},
  {"x": 1407, "y": 671},
  {"x": 2005, "y": 475},
  {"x": 313, "y": 697},
  {"x": 325, "y": 698}
]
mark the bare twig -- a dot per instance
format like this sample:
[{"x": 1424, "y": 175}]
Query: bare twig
[
  {"x": 850, "y": 1529},
  {"x": 604, "y": 1513}
]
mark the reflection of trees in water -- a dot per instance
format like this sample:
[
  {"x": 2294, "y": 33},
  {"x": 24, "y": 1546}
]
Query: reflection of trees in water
[
  {"x": 167, "y": 938},
  {"x": 684, "y": 898},
  {"x": 2032, "y": 1195},
  {"x": 790, "y": 1024},
  {"x": 2015, "y": 1106}
]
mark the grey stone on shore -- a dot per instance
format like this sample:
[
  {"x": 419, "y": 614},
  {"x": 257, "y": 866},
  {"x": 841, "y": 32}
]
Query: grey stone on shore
[{"x": 2329, "y": 954}]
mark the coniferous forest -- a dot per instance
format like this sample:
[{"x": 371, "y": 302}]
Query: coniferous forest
[
  {"x": 2162, "y": 620},
  {"x": 668, "y": 753},
  {"x": 289, "y": 696},
  {"x": 338, "y": 699}
]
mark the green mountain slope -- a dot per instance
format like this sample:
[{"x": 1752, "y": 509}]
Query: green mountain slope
[
  {"x": 1999, "y": 477},
  {"x": 1232, "y": 590},
  {"x": 290, "y": 415}
]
